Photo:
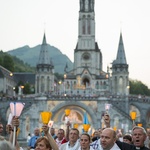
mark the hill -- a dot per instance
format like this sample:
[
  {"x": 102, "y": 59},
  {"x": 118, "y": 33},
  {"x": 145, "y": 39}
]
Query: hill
[{"x": 31, "y": 56}]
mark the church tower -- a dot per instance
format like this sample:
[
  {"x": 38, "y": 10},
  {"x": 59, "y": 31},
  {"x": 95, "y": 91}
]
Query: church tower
[
  {"x": 87, "y": 53},
  {"x": 120, "y": 79},
  {"x": 44, "y": 82},
  {"x": 87, "y": 76}
]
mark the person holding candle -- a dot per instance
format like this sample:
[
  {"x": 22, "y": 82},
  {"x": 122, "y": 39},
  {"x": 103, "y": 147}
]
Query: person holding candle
[
  {"x": 73, "y": 143},
  {"x": 46, "y": 142}
]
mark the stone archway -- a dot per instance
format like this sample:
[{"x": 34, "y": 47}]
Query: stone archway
[
  {"x": 75, "y": 117},
  {"x": 77, "y": 107},
  {"x": 86, "y": 82},
  {"x": 148, "y": 119}
]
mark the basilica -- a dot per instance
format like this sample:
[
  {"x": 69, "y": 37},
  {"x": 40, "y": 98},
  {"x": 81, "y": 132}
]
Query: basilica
[
  {"x": 86, "y": 89},
  {"x": 87, "y": 76}
]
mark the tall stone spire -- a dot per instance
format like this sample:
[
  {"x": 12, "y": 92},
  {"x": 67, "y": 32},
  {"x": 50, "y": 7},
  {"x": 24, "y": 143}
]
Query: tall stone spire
[
  {"x": 44, "y": 71},
  {"x": 44, "y": 54},
  {"x": 121, "y": 57},
  {"x": 120, "y": 74},
  {"x": 86, "y": 5},
  {"x": 86, "y": 33}
]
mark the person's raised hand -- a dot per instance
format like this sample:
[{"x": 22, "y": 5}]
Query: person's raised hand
[
  {"x": 106, "y": 118},
  {"x": 15, "y": 122},
  {"x": 45, "y": 129}
]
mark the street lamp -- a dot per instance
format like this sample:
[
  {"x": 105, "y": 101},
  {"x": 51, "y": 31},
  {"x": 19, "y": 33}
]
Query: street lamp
[
  {"x": 14, "y": 93},
  {"x": 11, "y": 74},
  {"x": 133, "y": 116},
  {"x": 60, "y": 82},
  {"x": 65, "y": 76}
]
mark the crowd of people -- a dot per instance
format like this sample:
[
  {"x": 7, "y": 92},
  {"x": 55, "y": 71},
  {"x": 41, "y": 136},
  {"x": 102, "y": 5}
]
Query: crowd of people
[{"x": 71, "y": 139}]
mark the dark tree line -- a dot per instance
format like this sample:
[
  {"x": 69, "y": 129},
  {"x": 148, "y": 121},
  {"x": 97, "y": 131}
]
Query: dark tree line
[{"x": 137, "y": 87}]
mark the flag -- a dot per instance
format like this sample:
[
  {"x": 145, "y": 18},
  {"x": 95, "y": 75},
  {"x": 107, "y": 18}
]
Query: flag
[{"x": 85, "y": 119}]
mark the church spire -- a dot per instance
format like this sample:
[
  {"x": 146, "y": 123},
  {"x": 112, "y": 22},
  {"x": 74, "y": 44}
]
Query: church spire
[
  {"x": 86, "y": 33},
  {"x": 86, "y": 5},
  {"x": 121, "y": 57},
  {"x": 44, "y": 55},
  {"x": 44, "y": 39}
]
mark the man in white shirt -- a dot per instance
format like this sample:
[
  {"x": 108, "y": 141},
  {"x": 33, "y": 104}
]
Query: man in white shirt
[
  {"x": 61, "y": 139},
  {"x": 107, "y": 141},
  {"x": 73, "y": 143}
]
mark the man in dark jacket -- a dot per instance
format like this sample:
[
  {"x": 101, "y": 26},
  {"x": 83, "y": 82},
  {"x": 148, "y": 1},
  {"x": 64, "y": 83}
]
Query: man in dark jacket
[{"x": 138, "y": 138}]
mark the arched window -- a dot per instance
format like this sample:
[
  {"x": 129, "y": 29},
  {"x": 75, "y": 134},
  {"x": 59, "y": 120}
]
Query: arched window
[
  {"x": 97, "y": 85},
  {"x": 83, "y": 25},
  {"x": 89, "y": 25}
]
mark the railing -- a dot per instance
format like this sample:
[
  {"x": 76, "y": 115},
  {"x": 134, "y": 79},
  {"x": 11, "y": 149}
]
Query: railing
[{"x": 132, "y": 98}]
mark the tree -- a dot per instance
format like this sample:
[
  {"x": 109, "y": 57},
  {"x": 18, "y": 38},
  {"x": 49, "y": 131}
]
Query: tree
[
  {"x": 138, "y": 88},
  {"x": 8, "y": 63},
  {"x": 1, "y": 61},
  {"x": 27, "y": 89}
]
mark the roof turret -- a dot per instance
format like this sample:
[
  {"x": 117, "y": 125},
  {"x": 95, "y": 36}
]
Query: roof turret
[
  {"x": 121, "y": 57},
  {"x": 44, "y": 54}
]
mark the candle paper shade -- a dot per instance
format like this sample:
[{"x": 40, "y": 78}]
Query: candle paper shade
[
  {"x": 75, "y": 125},
  {"x": 10, "y": 119},
  {"x": 139, "y": 124},
  {"x": 46, "y": 116},
  {"x": 67, "y": 112},
  {"x": 133, "y": 115},
  {"x": 86, "y": 127},
  {"x": 16, "y": 108}
]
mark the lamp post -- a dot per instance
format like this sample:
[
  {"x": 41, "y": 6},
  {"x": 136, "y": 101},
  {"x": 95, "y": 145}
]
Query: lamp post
[
  {"x": 16, "y": 109},
  {"x": 60, "y": 82},
  {"x": 22, "y": 87},
  {"x": 14, "y": 93},
  {"x": 65, "y": 76},
  {"x": 133, "y": 116}
]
